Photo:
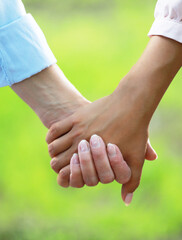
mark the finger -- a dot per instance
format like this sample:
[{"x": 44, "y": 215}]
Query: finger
[
  {"x": 58, "y": 129},
  {"x": 101, "y": 160},
  {"x": 76, "y": 179},
  {"x": 59, "y": 145},
  {"x": 63, "y": 159},
  {"x": 64, "y": 177},
  {"x": 119, "y": 166},
  {"x": 150, "y": 152},
  {"x": 87, "y": 166},
  {"x": 129, "y": 187}
]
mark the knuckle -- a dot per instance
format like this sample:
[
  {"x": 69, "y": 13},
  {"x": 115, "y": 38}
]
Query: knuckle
[
  {"x": 76, "y": 136},
  {"x": 75, "y": 119},
  {"x": 107, "y": 179},
  {"x": 51, "y": 149},
  {"x": 47, "y": 138},
  {"x": 54, "y": 166},
  {"x": 62, "y": 183},
  {"x": 77, "y": 133},
  {"x": 115, "y": 161},
  {"x": 53, "y": 131},
  {"x": 63, "y": 174}
]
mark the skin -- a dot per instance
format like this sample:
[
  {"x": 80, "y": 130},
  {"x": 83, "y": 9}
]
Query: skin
[
  {"x": 123, "y": 117},
  {"x": 53, "y": 98},
  {"x": 87, "y": 170},
  {"x": 50, "y": 95}
]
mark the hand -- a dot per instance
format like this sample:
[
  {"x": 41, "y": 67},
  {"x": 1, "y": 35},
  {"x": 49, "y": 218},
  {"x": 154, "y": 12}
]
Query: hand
[
  {"x": 113, "y": 121},
  {"x": 64, "y": 174},
  {"x": 98, "y": 163},
  {"x": 140, "y": 94}
]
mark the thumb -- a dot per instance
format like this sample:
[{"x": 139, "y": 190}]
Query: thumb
[{"x": 150, "y": 152}]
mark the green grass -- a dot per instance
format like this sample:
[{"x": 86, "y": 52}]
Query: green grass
[{"x": 96, "y": 43}]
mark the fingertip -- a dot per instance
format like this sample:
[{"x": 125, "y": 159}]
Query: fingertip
[
  {"x": 114, "y": 151},
  {"x": 126, "y": 197},
  {"x": 83, "y": 146},
  {"x": 75, "y": 159},
  {"x": 111, "y": 150},
  {"x": 96, "y": 142},
  {"x": 121, "y": 169}
]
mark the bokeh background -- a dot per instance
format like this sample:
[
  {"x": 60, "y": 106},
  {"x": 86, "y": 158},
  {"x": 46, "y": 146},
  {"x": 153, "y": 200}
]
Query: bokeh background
[{"x": 96, "y": 43}]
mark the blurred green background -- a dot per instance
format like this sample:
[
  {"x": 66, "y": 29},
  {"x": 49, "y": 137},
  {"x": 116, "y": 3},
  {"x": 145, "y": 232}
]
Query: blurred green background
[{"x": 96, "y": 43}]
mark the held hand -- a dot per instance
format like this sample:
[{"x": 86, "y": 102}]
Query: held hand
[
  {"x": 115, "y": 121},
  {"x": 64, "y": 174},
  {"x": 97, "y": 163},
  {"x": 123, "y": 117}
]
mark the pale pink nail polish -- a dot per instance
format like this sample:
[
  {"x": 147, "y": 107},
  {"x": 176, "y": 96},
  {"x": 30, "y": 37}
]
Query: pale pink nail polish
[
  {"x": 111, "y": 150},
  {"x": 128, "y": 199},
  {"x": 84, "y": 147},
  {"x": 95, "y": 141},
  {"x": 75, "y": 159}
]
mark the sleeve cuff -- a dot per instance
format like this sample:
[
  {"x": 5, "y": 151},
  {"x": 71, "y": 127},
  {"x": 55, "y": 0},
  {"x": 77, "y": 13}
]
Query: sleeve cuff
[
  {"x": 167, "y": 28},
  {"x": 23, "y": 51}
]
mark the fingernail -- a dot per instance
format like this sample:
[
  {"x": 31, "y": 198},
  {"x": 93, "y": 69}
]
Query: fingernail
[
  {"x": 95, "y": 141},
  {"x": 111, "y": 150},
  {"x": 74, "y": 159},
  {"x": 84, "y": 146},
  {"x": 128, "y": 199}
]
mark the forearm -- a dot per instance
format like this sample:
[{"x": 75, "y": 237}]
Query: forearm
[
  {"x": 50, "y": 95},
  {"x": 150, "y": 77}
]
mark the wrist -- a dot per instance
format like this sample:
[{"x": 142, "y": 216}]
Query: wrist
[
  {"x": 51, "y": 96},
  {"x": 150, "y": 77}
]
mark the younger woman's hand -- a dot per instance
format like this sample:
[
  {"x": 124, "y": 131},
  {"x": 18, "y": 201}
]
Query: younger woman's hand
[
  {"x": 95, "y": 163},
  {"x": 116, "y": 120}
]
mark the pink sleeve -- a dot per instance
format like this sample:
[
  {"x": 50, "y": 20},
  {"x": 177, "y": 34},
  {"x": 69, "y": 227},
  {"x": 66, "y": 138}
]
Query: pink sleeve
[{"x": 168, "y": 20}]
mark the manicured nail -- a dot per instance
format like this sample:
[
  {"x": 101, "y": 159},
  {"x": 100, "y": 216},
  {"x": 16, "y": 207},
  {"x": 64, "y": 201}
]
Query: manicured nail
[
  {"x": 74, "y": 158},
  {"x": 84, "y": 146},
  {"x": 111, "y": 150},
  {"x": 95, "y": 141},
  {"x": 128, "y": 199}
]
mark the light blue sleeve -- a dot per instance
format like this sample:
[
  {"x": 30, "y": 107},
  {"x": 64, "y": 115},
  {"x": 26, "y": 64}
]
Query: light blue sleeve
[{"x": 23, "y": 48}]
